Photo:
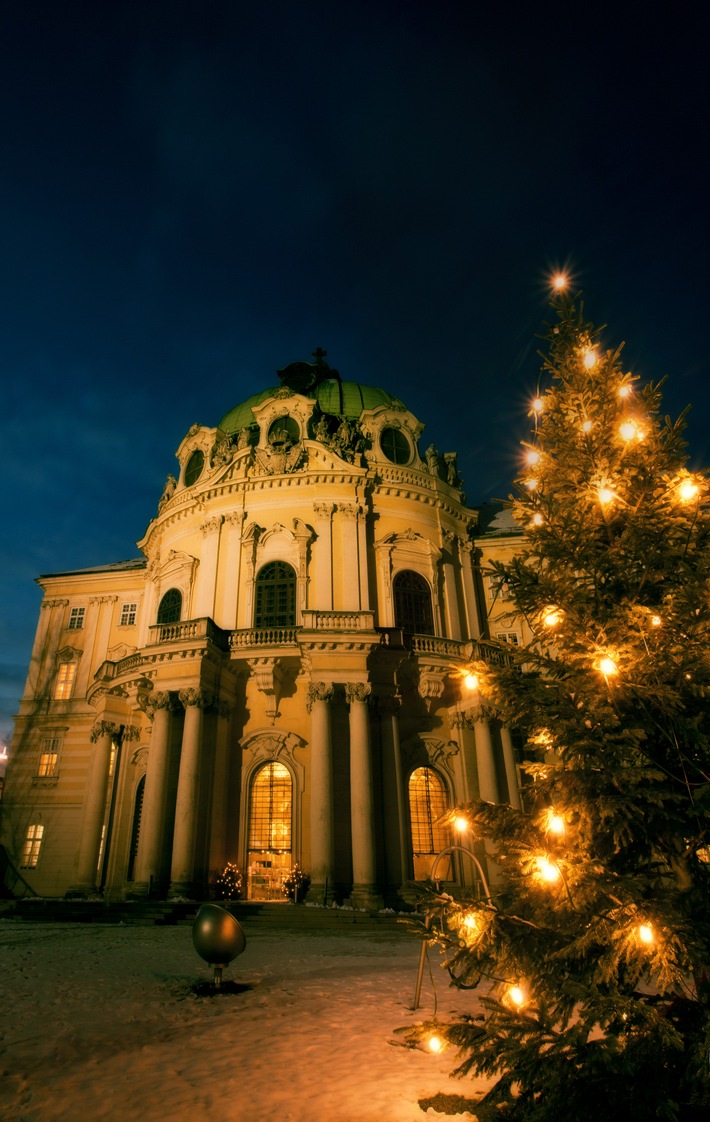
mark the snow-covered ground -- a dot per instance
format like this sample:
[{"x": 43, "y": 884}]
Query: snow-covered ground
[{"x": 102, "y": 1024}]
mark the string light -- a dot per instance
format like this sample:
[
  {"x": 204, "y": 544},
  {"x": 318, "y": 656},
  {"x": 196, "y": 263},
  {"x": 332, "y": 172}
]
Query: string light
[
  {"x": 656, "y": 621},
  {"x": 608, "y": 667},
  {"x": 436, "y": 1044},
  {"x": 606, "y": 495},
  {"x": 645, "y": 934},
  {"x": 533, "y": 457},
  {"x": 537, "y": 519},
  {"x": 628, "y": 430},
  {"x": 470, "y": 681},
  {"x": 590, "y": 358},
  {"x": 688, "y": 490},
  {"x": 587, "y": 426},
  {"x": 559, "y": 282},
  {"x": 552, "y": 617},
  {"x": 555, "y": 823},
  {"x": 531, "y": 484},
  {"x": 624, "y": 391},
  {"x": 516, "y": 994},
  {"x": 461, "y": 824},
  {"x": 547, "y": 870},
  {"x": 538, "y": 405}
]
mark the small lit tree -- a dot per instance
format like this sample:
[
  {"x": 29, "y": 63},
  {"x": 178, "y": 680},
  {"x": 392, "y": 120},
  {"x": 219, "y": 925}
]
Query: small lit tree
[{"x": 594, "y": 953}]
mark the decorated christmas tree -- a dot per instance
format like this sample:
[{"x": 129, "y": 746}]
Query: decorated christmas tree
[{"x": 592, "y": 954}]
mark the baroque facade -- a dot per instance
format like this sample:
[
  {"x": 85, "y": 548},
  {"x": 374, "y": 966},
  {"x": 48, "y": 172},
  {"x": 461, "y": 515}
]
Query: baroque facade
[{"x": 279, "y": 678}]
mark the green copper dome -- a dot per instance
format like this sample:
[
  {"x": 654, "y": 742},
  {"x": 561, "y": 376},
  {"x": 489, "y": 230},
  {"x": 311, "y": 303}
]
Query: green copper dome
[{"x": 339, "y": 399}]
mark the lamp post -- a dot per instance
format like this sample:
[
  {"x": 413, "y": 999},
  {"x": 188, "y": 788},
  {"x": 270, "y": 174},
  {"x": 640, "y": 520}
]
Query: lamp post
[{"x": 432, "y": 876}]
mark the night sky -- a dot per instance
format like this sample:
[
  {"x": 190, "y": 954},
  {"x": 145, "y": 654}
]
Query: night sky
[{"x": 193, "y": 195}]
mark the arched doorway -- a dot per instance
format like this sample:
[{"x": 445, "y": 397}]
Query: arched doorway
[
  {"x": 270, "y": 831},
  {"x": 427, "y": 803}
]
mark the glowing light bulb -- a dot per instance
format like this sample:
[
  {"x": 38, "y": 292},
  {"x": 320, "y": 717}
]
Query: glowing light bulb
[
  {"x": 435, "y": 1044},
  {"x": 559, "y": 282},
  {"x": 605, "y": 495},
  {"x": 624, "y": 391},
  {"x": 533, "y": 457},
  {"x": 547, "y": 870},
  {"x": 587, "y": 426},
  {"x": 656, "y": 621},
  {"x": 556, "y": 824},
  {"x": 645, "y": 933},
  {"x": 552, "y": 617},
  {"x": 537, "y": 519},
  {"x": 538, "y": 405},
  {"x": 472, "y": 923},
  {"x": 608, "y": 667},
  {"x": 590, "y": 358},
  {"x": 688, "y": 490},
  {"x": 461, "y": 824},
  {"x": 628, "y": 430},
  {"x": 470, "y": 681},
  {"x": 531, "y": 484},
  {"x": 517, "y": 996}
]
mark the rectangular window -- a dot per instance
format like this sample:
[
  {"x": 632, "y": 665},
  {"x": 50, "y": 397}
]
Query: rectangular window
[
  {"x": 76, "y": 619},
  {"x": 30, "y": 852},
  {"x": 48, "y": 756},
  {"x": 64, "y": 681},
  {"x": 508, "y": 637},
  {"x": 498, "y": 588},
  {"x": 128, "y": 615}
]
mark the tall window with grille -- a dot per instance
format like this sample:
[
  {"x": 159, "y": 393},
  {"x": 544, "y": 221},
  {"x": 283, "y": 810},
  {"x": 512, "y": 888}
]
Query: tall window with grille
[
  {"x": 275, "y": 596},
  {"x": 31, "y": 847},
  {"x": 48, "y": 757},
  {"x": 412, "y": 603},
  {"x": 64, "y": 681},
  {"x": 76, "y": 619},
  {"x": 270, "y": 830},
  {"x": 427, "y": 804}
]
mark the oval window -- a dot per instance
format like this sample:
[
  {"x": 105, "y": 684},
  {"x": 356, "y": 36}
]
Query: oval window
[
  {"x": 395, "y": 446},
  {"x": 284, "y": 430},
  {"x": 195, "y": 464}
]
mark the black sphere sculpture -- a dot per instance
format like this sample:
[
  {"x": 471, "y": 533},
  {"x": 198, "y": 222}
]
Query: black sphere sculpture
[{"x": 217, "y": 937}]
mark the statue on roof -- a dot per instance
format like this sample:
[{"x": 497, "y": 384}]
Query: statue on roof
[{"x": 304, "y": 376}]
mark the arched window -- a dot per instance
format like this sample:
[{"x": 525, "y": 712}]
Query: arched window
[
  {"x": 412, "y": 603},
  {"x": 427, "y": 803},
  {"x": 270, "y": 818},
  {"x": 170, "y": 607},
  {"x": 275, "y": 596},
  {"x": 135, "y": 828}
]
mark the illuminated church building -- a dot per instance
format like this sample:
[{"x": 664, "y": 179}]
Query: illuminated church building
[{"x": 279, "y": 677}]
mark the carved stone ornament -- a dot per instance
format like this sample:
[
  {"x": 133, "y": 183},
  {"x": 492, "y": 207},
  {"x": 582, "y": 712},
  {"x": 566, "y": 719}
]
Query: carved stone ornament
[
  {"x": 212, "y": 525},
  {"x": 105, "y": 728},
  {"x": 272, "y": 462},
  {"x": 319, "y": 691},
  {"x": 202, "y": 699},
  {"x": 222, "y": 452},
  {"x": 140, "y": 758},
  {"x": 357, "y": 691},
  {"x": 161, "y": 699}
]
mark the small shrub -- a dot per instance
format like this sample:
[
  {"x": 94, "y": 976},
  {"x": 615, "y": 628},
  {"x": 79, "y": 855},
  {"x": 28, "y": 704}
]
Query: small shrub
[{"x": 296, "y": 884}]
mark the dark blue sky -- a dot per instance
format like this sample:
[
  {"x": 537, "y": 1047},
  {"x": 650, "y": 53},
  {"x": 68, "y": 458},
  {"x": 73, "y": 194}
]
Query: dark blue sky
[{"x": 195, "y": 194}]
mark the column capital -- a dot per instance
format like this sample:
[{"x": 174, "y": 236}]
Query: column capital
[
  {"x": 323, "y": 511},
  {"x": 211, "y": 525},
  {"x": 160, "y": 699},
  {"x": 318, "y": 691},
  {"x": 104, "y": 728},
  {"x": 200, "y": 698},
  {"x": 357, "y": 691}
]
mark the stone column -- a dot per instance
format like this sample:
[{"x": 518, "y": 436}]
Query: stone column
[
  {"x": 319, "y": 696},
  {"x": 46, "y": 643},
  {"x": 349, "y": 560},
  {"x": 362, "y": 553},
  {"x": 149, "y": 861},
  {"x": 473, "y": 630},
  {"x": 450, "y": 590},
  {"x": 485, "y": 760},
  {"x": 207, "y": 572},
  {"x": 182, "y": 873},
  {"x": 324, "y": 556},
  {"x": 102, "y": 735},
  {"x": 362, "y": 815},
  {"x": 511, "y": 771},
  {"x": 396, "y": 837},
  {"x": 232, "y": 555},
  {"x": 220, "y": 789}
]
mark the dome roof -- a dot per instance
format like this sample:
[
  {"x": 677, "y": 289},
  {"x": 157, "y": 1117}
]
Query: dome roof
[{"x": 340, "y": 399}]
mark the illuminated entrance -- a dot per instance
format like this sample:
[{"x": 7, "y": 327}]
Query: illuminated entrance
[
  {"x": 270, "y": 817},
  {"x": 427, "y": 803}
]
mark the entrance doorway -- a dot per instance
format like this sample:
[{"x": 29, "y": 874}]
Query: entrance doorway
[{"x": 270, "y": 818}]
